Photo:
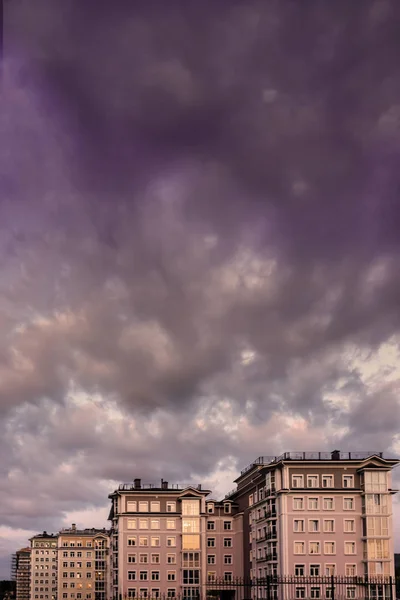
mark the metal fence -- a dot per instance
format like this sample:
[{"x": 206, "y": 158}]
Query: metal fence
[
  {"x": 305, "y": 588},
  {"x": 283, "y": 588}
]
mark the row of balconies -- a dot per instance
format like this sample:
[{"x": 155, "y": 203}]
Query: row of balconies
[
  {"x": 270, "y": 535},
  {"x": 268, "y": 514}
]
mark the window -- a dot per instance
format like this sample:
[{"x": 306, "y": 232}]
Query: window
[
  {"x": 131, "y": 542},
  {"x": 251, "y": 500},
  {"x": 227, "y": 542},
  {"x": 328, "y": 504},
  {"x": 299, "y": 570},
  {"x": 377, "y": 549},
  {"x": 171, "y": 506},
  {"x": 155, "y": 593},
  {"x": 227, "y": 577},
  {"x": 131, "y": 575},
  {"x": 191, "y": 577},
  {"x": 171, "y": 541},
  {"x": 211, "y": 575},
  {"x": 155, "y": 542},
  {"x": 299, "y": 548},
  {"x": 348, "y": 503},
  {"x": 330, "y": 570},
  {"x": 155, "y": 575},
  {"x": 329, "y": 547},
  {"x": 191, "y": 508},
  {"x": 227, "y": 525},
  {"x": 298, "y": 525},
  {"x": 171, "y": 575},
  {"x": 348, "y": 481},
  {"x": 143, "y": 575},
  {"x": 313, "y": 503},
  {"x": 131, "y": 592},
  {"x": 314, "y": 547},
  {"x": 315, "y": 592},
  {"x": 297, "y": 481},
  {"x": 155, "y": 524},
  {"x": 375, "y": 481},
  {"x": 143, "y": 523},
  {"x": 377, "y": 526},
  {"x": 227, "y": 559},
  {"x": 300, "y": 593},
  {"x": 227, "y": 508},
  {"x": 298, "y": 503},
  {"x": 211, "y": 525},
  {"x": 143, "y": 541},
  {"x": 211, "y": 542},
  {"x": 143, "y": 506},
  {"x": 171, "y": 523},
  {"x": 312, "y": 481},
  {"x": 190, "y": 525},
  {"x": 350, "y": 570},
  {"x": 349, "y": 525},
  {"x": 171, "y": 593},
  {"x": 211, "y": 559},
  {"x": 143, "y": 558},
  {"x": 154, "y": 506},
  {"x": 131, "y": 523},
  {"x": 143, "y": 593},
  {"x": 171, "y": 559},
  {"x": 349, "y": 547},
  {"x": 329, "y": 525},
  {"x": 313, "y": 525},
  {"x": 327, "y": 481},
  {"x": 131, "y": 558},
  {"x": 315, "y": 570},
  {"x": 350, "y": 592}
]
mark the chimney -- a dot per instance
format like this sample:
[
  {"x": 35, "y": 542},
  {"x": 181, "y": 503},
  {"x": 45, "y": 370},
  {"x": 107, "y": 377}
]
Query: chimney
[
  {"x": 164, "y": 484},
  {"x": 199, "y": 487},
  {"x": 137, "y": 484},
  {"x": 335, "y": 455},
  {"x": 73, "y": 527}
]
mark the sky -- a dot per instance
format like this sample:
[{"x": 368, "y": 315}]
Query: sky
[{"x": 199, "y": 245}]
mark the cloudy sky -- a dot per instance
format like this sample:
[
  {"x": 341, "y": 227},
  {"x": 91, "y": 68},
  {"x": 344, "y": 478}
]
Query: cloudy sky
[{"x": 199, "y": 244}]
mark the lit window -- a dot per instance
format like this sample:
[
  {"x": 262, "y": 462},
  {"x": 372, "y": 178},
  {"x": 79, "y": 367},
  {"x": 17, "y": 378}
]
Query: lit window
[
  {"x": 131, "y": 523},
  {"x": 171, "y": 524},
  {"x": 155, "y": 506},
  {"x": 143, "y": 506}
]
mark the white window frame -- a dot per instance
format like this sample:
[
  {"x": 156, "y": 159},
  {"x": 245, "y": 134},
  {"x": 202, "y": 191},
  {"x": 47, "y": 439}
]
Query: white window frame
[
  {"x": 324, "y": 501},
  {"x": 318, "y": 530},
  {"x": 299, "y": 499},
  {"x": 310, "y": 566},
  {"x": 310, "y": 498},
  {"x": 348, "y": 477},
  {"x": 325, "y": 547},
  {"x": 310, "y": 543},
  {"x": 155, "y": 524},
  {"x": 303, "y": 546},
  {"x": 297, "y": 478},
  {"x": 354, "y": 546},
  {"x": 131, "y": 506},
  {"x": 131, "y": 524},
  {"x": 155, "y": 506},
  {"x": 313, "y": 478},
  {"x": 333, "y": 526},
  {"x": 353, "y": 525},
  {"x": 171, "y": 524},
  {"x": 353, "y": 567},
  {"x": 300, "y": 566},
  {"x": 171, "y": 541},
  {"x": 302, "y": 525},
  {"x": 143, "y": 523},
  {"x": 171, "y": 507},
  {"x": 327, "y": 569},
  {"x": 352, "y": 500},
  {"x": 143, "y": 506},
  {"x": 330, "y": 478}
]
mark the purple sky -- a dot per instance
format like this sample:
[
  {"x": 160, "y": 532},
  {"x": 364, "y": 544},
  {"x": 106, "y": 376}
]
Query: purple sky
[{"x": 199, "y": 244}]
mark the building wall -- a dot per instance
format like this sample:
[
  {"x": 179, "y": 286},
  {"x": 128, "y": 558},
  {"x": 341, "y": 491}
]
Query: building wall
[
  {"x": 43, "y": 584},
  {"x": 23, "y": 574}
]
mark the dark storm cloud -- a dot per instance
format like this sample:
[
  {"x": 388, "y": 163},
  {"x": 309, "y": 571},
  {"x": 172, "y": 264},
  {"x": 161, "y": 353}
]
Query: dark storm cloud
[{"x": 182, "y": 189}]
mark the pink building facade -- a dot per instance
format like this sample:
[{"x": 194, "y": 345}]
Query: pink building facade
[{"x": 171, "y": 540}]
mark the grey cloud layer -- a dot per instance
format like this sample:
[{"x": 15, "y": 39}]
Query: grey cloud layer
[{"x": 181, "y": 190}]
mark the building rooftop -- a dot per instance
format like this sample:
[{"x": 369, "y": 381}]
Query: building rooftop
[
  {"x": 137, "y": 485},
  {"x": 311, "y": 456},
  {"x": 87, "y": 531}
]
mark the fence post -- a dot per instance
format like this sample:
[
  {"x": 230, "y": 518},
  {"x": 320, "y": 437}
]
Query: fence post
[
  {"x": 391, "y": 588},
  {"x": 332, "y": 587},
  {"x": 268, "y": 587}
]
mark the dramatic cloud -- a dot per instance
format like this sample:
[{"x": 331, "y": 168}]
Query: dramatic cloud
[{"x": 199, "y": 244}]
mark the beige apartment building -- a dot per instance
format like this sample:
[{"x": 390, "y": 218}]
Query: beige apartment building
[
  {"x": 43, "y": 584},
  {"x": 83, "y": 564},
  {"x": 317, "y": 514},
  {"x": 173, "y": 540}
]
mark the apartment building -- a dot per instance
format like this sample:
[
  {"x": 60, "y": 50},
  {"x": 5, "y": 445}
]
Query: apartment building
[
  {"x": 317, "y": 513},
  {"x": 43, "y": 579},
  {"x": 23, "y": 573},
  {"x": 171, "y": 539},
  {"x": 83, "y": 564}
]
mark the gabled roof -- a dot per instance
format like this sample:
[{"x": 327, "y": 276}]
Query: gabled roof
[
  {"x": 191, "y": 492},
  {"x": 377, "y": 462}
]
